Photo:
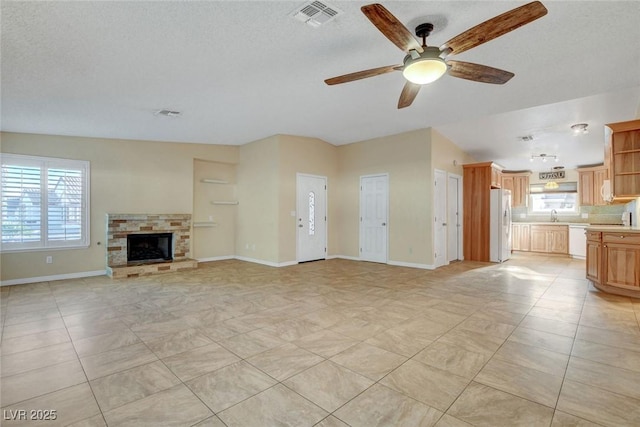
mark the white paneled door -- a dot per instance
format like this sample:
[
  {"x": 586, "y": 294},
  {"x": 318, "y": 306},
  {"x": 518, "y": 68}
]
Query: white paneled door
[
  {"x": 454, "y": 217},
  {"x": 374, "y": 212},
  {"x": 311, "y": 219},
  {"x": 440, "y": 219}
]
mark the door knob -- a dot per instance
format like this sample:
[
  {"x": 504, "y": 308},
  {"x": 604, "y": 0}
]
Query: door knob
[
  {"x": 444, "y": 223},
  {"x": 384, "y": 224},
  {"x": 300, "y": 225}
]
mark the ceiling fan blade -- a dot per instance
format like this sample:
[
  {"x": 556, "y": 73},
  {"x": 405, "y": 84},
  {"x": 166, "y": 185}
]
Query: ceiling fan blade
[
  {"x": 408, "y": 94},
  {"x": 362, "y": 74},
  {"x": 495, "y": 27},
  {"x": 393, "y": 29},
  {"x": 478, "y": 73}
]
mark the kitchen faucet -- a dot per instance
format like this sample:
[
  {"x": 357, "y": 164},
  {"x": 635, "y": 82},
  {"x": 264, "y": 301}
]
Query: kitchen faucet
[{"x": 554, "y": 215}]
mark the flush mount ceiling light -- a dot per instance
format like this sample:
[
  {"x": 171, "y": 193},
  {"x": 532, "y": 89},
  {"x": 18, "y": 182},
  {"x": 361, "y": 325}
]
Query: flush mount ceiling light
[
  {"x": 579, "y": 128},
  {"x": 544, "y": 157},
  {"x": 423, "y": 68}
]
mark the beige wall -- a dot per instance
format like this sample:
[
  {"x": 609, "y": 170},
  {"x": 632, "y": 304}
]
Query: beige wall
[
  {"x": 218, "y": 240},
  {"x": 406, "y": 158},
  {"x": 443, "y": 155},
  {"x": 313, "y": 157},
  {"x": 158, "y": 177},
  {"x": 267, "y": 194},
  {"x": 126, "y": 177},
  {"x": 444, "y": 152},
  {"x": 258, "y": 223}
]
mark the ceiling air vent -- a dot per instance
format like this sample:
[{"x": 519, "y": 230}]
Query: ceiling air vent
[
  {"x": 315, "y": 13},
  {"x": 168, "y": 113}
]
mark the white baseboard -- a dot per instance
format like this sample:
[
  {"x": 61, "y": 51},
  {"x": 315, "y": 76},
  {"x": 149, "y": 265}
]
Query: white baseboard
[
  {"x": 78, "y": 275},
  {"x": 350, "y": 258},
  {"x": 220, "y": 258},
  {"x": 269, "y": 263},
  {"x": 216, "y": 258},
  {"x": 390, "y": 262},
  {"x": 411, "y": 265}
]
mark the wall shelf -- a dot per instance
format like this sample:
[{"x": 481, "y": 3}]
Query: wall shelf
[
  {"x": 204, "y": 224},
  {"x": 214, "y": 181},
  {"x": 224, "y": 202}
]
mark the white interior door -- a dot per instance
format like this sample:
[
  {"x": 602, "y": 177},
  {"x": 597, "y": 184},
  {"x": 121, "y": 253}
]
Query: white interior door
[
  {"x": 311, "y": 220},
  {"x": 374, "y": 212},
  {"x": 440, "y": 219},
  {"x": 454, "y": 217}
]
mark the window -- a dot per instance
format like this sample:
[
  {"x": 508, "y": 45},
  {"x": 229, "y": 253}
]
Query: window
[
  {"x": 45, "y": 203},
  {"x": 312, "y": 213},
  {"x": 563, "y": 199}
]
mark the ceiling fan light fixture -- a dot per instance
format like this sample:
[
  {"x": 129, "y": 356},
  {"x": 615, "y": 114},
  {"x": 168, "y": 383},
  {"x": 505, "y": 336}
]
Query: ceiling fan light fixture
[{"x": 425, "y": 68}]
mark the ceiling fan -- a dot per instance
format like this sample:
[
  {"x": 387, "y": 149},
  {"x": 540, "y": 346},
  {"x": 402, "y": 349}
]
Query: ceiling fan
[{"x": 424, "y": 64}]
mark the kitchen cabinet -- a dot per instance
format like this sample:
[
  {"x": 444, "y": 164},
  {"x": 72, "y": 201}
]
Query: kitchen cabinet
[
  {"x": 496, "y": 177},
  {"x": 621, "y": 258},
  {"x": 518, "y": 183},
  {"x": 552, "y": 239},
  {"x": 478, "y": 180},
  {"x": 613, "y": 260},
  {"x": 590, "y": 183},
  {"x": 622, "y": 157},
  {"x": 594, "y": 257},
  {"x": 520, "y": 237}
]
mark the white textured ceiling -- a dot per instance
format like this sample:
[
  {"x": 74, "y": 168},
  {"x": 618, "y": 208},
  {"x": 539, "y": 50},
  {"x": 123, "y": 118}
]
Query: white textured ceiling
[{"x": 240, "y": 71}]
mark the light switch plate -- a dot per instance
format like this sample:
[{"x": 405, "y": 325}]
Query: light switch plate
[
  {"x": 585, "y": 215},
  {"x": 523, "y": 216}
]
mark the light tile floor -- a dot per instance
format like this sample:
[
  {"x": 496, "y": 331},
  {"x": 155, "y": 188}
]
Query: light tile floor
[{"x": 330, "y": 343}]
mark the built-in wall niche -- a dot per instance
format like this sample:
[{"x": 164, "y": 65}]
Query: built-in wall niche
[{"x": 214, "y": 209}]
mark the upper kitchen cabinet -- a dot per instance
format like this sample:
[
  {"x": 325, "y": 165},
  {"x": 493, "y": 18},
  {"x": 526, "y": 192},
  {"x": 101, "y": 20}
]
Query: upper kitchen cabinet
[
  {"x": 590, "y": 184},
  {"x": 622, "y": 156},
  {"x": 518, "y": 184},
  {"x": 496, "y": 176}
]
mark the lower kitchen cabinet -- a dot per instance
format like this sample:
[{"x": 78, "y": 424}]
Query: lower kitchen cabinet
[
  {"x": 520, "y": 237},
  {"x": 594, "y": 256},
  {"x": 621, "y": 257},
  {"x": 552, "y": 239},
  {"x": 613, "y": 261}
]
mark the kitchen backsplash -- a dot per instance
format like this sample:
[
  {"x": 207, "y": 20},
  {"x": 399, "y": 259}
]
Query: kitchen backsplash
[{"x": 609, "y": 214}]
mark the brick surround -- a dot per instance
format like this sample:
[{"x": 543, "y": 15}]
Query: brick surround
[{"x": 120, "y": 225}]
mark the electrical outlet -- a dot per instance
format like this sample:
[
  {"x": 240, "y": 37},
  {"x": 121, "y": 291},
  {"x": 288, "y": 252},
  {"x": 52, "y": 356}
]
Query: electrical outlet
[{"x": 49, "y": 259}]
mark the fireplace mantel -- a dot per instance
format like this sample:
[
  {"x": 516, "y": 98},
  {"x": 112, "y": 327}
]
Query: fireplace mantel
[{"x": 121, "y": 225}]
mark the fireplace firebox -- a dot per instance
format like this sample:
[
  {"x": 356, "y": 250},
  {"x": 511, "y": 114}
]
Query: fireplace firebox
[{"x": 149, "y": 247}]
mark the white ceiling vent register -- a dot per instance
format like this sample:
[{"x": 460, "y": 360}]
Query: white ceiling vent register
[
  {"x": 316, "y": 13},
  {"x": 168, "y": 113}
]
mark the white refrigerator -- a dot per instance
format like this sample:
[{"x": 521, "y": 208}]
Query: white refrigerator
[{"x": 500, "y": 226}]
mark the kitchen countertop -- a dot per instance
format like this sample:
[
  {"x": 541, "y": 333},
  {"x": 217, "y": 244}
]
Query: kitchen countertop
[
  {"x": 582, "y": 224},
  {"x": 627, "y": 229}
]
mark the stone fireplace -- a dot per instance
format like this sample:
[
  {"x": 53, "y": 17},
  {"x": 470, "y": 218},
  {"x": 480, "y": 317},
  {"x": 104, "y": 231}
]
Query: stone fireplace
[{"x": 160, "y": 243}]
